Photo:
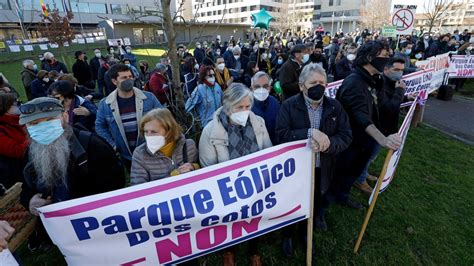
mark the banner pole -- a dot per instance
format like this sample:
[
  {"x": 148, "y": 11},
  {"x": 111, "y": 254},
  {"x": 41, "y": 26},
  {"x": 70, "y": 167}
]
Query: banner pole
[
  {"x": 309, "y": 229},
  {"x": 374, "y": 199}
]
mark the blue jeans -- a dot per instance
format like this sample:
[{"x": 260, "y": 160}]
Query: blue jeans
[{"x": 365, "y": 173}]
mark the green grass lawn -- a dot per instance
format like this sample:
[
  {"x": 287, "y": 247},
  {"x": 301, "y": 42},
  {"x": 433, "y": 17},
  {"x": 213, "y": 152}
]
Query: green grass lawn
[
  {"x": 424, "y": 218},
  {"x": 468, "y": 89}
]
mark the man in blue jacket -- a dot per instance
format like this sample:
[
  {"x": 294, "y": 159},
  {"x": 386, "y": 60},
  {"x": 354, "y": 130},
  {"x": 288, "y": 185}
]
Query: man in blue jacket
[{"x": 119, "y": 114}]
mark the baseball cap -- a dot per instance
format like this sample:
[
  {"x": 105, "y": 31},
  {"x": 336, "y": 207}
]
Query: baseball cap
[{"x": 42, "y": 107}]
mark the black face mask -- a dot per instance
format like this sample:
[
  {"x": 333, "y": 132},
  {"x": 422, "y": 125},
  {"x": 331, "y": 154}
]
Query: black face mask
[
  {"x": 142, "y": 68},
  {"x": 316, "y": 92},
  {"x": 379, "y": 63}
]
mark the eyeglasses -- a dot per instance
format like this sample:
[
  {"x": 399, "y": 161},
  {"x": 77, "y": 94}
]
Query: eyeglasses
[{"x": 27, "y": 109}]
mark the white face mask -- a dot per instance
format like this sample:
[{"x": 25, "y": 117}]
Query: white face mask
[
  {"x": 46, "y": 79},
  {"x": 155, "y": 143},
  {"x": 264, "y": 56},
  {"x": 236, "y": 57},
  {"x": 211, "y": 80},
  {"x": 351, "y": 57},
  {"x": 261, "y": 94},
  {"x": 240, "y": 118},
  {"x": 98, "y": 54},
  {"x": 196, "y": 66},
  {"x": 221, "y": 66}
]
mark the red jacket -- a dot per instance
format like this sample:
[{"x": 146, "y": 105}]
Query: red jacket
[
  {"x": 13, "y": 137},
  {"x": 158, "y": 85}
]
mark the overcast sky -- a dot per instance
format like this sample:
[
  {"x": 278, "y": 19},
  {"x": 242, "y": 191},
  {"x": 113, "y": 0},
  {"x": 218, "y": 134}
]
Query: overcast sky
[{"x": 419, "y": 3}]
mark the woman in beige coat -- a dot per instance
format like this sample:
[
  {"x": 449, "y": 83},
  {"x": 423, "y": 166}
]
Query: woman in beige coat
[{"x": 234, "y": 131}]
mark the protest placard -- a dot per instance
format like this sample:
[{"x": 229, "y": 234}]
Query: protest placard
[
  {"x": 389, "y": 31},
  {"x": 461, "y": 66},
  {"x": 28, "y": 48},
  {"x": 403, "y": 18},
  {"x": 388, "y": 171},
  {"x": 440, "y": 65},
  {"x": 178, "y": 218},
  {"x": 14, "y": 48}
]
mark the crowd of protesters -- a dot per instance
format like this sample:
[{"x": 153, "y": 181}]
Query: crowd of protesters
[{"x": 115, "y": 111}]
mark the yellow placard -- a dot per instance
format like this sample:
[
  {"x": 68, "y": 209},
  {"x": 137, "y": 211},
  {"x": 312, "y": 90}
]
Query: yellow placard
[
  {"x": 18, "y": 42},
  {"x": 2, "y": 45}
]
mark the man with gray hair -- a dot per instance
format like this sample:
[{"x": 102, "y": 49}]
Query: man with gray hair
[
  {"x": 28, "y": 74},
  {"x": 53, "y": 64},
  {"x": 63, "y": 163},
  {"x": 265, "y": 105},
  {"x": 236, "y": 63},
  {"x": 323, "y": 122}
]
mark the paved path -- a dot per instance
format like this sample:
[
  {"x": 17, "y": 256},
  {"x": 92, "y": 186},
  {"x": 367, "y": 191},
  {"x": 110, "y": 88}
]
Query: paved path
[{"x": 455, "y": 117}]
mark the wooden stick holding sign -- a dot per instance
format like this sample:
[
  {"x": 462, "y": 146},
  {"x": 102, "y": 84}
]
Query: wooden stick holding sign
[
  {"x": 374, "y": 199},
  {"x": 309, "y": 230}
]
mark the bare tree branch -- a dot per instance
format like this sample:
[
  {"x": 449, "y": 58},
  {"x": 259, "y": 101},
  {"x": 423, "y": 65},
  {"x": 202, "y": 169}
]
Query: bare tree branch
[{"x": 435, "y": 10}]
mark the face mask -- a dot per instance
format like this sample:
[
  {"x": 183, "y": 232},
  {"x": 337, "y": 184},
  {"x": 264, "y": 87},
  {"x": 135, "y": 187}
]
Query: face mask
[
  {"x": 316, "y": 92},
  {"x": 351, "y": 57},
  {"x": 395, "y": 76},
  {"x": 46, "y": 132},
  {"x": 221, "y": 66},
  {"x": 408, "y": 51},
  {"x": 218, "y": 52},
  {"x": 198, "y": 46},
  {"x": 379, "y": 63},
  {"x": 196, "y": 66},
  {"x": 128, "y": 65},
  {"x": 211, "y": 80},
  {"x": 35, "y": 67},
  {"x": 46, "y": 80},
  {"x": 280, "y": 61},
  {"x": 418, "y": 56},
  {"x": 126, "y": 85},
  {"x": 205, "y": 45},
  {"x": 155, "y": 143},
  {"x": 240, "y": 118},
  {"x": 305, "y": 58},
  {"x": 427, "y": 37},
  {"x": 456, "y": 46},
  {"x": 236, "y": 57},
  {"x": 261, "y": 94},
  {"x": 264, "y": 56},
  {"x": 98, "y": 55},
  {"x": 142, "y": 68},
  {"x": 112, "y": 51}
]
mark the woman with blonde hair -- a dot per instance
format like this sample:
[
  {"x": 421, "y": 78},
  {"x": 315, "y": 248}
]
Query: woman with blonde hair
[{"x": 166, "y": 152}]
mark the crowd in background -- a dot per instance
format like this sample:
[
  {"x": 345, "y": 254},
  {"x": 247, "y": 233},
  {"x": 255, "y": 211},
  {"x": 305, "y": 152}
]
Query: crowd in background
[{"x": 246, "y": 96}]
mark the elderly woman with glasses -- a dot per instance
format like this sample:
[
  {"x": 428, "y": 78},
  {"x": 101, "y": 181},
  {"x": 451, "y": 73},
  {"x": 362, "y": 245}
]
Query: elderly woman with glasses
[
  {"x": 234, "y": 131},
  {"x": 206, "y": 97}
]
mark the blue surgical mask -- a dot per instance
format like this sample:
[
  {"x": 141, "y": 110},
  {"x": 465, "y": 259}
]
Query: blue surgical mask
[
  {"x": 35, "y": 67},
  {"x": 280, "y": 61},
  {"x": 408, "y": 51},
  {"x": 305, "y": 58},
  {"x": 46, "y": 132}
]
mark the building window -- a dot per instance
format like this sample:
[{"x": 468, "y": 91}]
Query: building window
[
  {"x": 97, "y": 8},
  {"x": 317, "y": 7},
  {"x": 338, "y": 2},
  {"x": 4, "y": 5},
  {"x": 331, "y": 2},
  {"x": 243, "y": 9},
  {"x": 117, "y": 9}
]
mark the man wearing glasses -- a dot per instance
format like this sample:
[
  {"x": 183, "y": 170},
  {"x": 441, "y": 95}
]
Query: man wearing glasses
[
  {"x": 265, "y": 105},
  {"x": 63, "y": 163}
]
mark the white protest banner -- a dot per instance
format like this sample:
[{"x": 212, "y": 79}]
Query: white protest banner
[
  {"x": 388, "y": 172},
  {"x": 126, "y": 41},
  {"x": 28, "y": 48},
  {"x": 461, "y": 66},
  {"x": 7, "y": 259},
  {"x": 403, "y": 18},
  {"x": 417, "y": 82},
  {"x": 81, "y": 41},
  {"x": 395, "y": 156},
  {"x": 175, "y": 219},
  {"x": 54, "y": 45},
  {"x": 14, "y": 48},
  {"x": 90, "y": 40},
  {"x": 331, "y": 89},
  {"x": 114, "y": 42},
  {"x": 43, "y": 47},
  {"x": 440, "y": 65}
]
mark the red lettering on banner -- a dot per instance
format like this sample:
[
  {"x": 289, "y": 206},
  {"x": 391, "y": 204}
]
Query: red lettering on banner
[
  {"x": 164, "y": 248},
  {"x": 203, "y": 236},
  {"x": 249, "y": 227}
]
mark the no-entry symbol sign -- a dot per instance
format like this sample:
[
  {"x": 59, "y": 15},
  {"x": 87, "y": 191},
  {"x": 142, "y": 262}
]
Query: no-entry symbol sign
[{"x": 404, "y": 18}]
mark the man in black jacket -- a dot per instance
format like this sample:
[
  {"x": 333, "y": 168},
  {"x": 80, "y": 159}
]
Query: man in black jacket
[
  {"x": 82, "y": 71},
  {"x": 95, "y": 63},
  {"x": 357, "y": 96},
  {"x": 290, "y": 71},
  {"x": 64, "y": 163},
  {"x": 318, "y": 57},
  {"x": 322, "y": 120}
]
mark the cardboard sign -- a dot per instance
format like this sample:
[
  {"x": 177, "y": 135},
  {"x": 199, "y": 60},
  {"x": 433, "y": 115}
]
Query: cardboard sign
[
  {"x": 403, "y": 18},
  {"x": 461, "y": 66}
]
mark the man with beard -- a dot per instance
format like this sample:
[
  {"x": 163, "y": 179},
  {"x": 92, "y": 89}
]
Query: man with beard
[
  {"x": 63, "y": 163},
  {"x": 357, "y": 95}
]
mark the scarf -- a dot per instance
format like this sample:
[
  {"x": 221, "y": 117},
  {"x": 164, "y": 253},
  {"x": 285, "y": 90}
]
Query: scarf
[
  {"x": 168, "y": 149},
  {"x": 222, "y": 80},
  {"x": 242, "y": 140}
]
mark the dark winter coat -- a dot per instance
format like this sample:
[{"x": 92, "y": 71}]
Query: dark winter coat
[{"x": 289, "y": 76}]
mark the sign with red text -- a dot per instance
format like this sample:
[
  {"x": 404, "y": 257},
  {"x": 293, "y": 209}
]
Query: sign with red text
[
  {"x": 175, "y": 219},
  {"x": 395, "y": 158},
  {"x": 461, "y": 66},
  {"x": 439, "y": 64}
]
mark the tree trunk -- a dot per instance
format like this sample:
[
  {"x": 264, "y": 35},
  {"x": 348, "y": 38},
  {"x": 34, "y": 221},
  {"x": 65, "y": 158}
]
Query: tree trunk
[{"x": 175, "y": 63}]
